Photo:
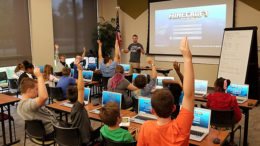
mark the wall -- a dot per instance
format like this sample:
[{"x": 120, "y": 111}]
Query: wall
[
  {"x": 130, "y": 26},
  {"x": 41, "y": 32}
]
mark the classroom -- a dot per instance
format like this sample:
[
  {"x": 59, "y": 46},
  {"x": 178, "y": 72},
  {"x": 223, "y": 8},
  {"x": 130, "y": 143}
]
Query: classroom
[{"x": 129, "y": 72}]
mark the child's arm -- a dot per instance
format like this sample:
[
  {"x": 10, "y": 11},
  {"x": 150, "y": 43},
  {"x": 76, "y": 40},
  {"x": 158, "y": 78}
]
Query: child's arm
[
  {"x": 154, "y": 72},
  {"x": 84, "y": 53},
  {"x": 80, "y": 83},
  {"x": 188, "y": 82},
  {"x": 176, "y": 66},
  {"x": 116, "y": 58},
  {"x": 42, "y": 91},
  {"x": 57, "y": 53},
  {"x": 100, "y": 58}
]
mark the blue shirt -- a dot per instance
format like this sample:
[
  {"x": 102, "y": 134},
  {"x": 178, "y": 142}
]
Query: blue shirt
[
  {"x": 107, "y": 71},
  {"x": 64, "y": 83}
]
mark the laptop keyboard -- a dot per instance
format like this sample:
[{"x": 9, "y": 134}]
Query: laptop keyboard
[
  {"x": 143, "y": 118},
  {"x": 197, "y": 133}
]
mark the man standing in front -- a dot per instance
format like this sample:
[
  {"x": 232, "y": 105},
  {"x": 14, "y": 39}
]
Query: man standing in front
[{"x": 136, "y": 49}]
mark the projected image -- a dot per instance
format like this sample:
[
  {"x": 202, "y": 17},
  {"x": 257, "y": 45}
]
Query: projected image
[
  {"x": 87, "y": 75},
  {"x": 159, "y": 80},
  {"x": 126, "y": 67},
  {"x": 145, "y": 105},
  {"x": 238, "y": 90},
  {"x": 201, "y": 86},
  {"x": 111, "y": 97},
  {"x": 86, "y": 93},
  {"x": 201, "y": 118},
  {"x": 204, "y": 26}
]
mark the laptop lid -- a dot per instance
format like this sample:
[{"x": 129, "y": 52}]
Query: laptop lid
[
  {"x": 126, "y": 67},
  {"x": 201, "y": 121},
  {"x": 135, "y": 75},
  {"x": 86, "y": 94},
  {"x": 238, "y": 90},
  {"x": 144, "y": 106},
  {"x": 111, "y": 97},
  {"x": 201, "y": 86},
  {"x": 88, "y": 75},
  {"x": 160, "y": 78}
]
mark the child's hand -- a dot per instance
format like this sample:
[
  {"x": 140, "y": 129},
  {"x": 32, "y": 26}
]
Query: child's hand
[
  {"x": 79, "y": 67},
  {"x": 137, "y": 131},
  {"x": 149, "y": 60},
  {"x": 37, "y": 72},
  {"x": 56, "y": 46},
  {"x": 176, "y": 66},
  {"x": 184, "y": 47},
  {"x": 99, "y": 42}
]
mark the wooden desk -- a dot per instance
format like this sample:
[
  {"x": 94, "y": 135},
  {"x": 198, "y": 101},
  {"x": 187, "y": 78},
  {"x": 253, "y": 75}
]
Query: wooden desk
[
  {"x": 245, "y": 107},
  {"x": 207, "y": 141},
  {"x": 159, "y": 70},
  {"x": 6, "y": 100}
]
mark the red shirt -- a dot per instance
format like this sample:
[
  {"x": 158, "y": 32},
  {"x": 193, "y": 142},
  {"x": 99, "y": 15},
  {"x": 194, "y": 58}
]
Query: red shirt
[
  {"x": 224, "y": 101},
  {"x": 174, "y": 133}
]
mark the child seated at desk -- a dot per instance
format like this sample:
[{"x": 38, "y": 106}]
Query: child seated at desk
[
  {"x": 141, "y": 82},
  {"x": 219, "y": 100},
  {"x": 165, "y": 131},
  {"x": 79, "y": 115},
  {"x": 48, "y": 76},
  {"x": 110, "y": 115}
]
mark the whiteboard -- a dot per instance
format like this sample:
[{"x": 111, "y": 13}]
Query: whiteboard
[{"x": 235, "y": 55}]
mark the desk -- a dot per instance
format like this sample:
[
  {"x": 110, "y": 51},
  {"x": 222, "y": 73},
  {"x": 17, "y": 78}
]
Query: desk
[
  {"x": 245, "y": 107},
  {"x": 6, "y": 100},
  {"x": 207, "y": 141},
  {"x": 159, "y": 70}
]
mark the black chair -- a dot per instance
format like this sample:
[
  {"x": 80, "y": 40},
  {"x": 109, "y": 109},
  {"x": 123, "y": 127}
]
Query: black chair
[
  {"x": 3, "y": 77},
  {"x": 13, "y": 84},
  {"x": 67, "y": 136},
  {"x": 7, "y": 117},
  {"x": 49, "y": 93},
  {"x": 56, "y": 94},
  {"x": 35, "y": 130},
  {"x": 225, "y": 119},
  {"x": 104, "y": 82},
  {"x": 109, "y": 142}
]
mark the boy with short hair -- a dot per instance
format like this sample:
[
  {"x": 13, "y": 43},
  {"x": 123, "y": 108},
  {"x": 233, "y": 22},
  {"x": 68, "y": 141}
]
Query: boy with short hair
[
  {"x": 110, "y": 115},
  {"x": 165, "y": 131}
]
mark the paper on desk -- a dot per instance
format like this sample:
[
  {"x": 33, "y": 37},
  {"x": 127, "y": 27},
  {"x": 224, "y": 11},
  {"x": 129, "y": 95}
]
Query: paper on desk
[{"x": 125, "y": 121}]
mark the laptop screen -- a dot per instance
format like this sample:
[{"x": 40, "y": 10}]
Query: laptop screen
[
  {"x": 86, "y": 94},
  {"x": 160, "y": 78},
  {"x": 126, "y": 67},
  {"x": 88, "y": 75},
  {"x": 201, "y": 86},
  {"x": 144, "y": 105},
  {"x": 72, "y": 72},
  {"x": 111, "y": 97},
  {"x": 201, "y": 117},
  {"x": 41, "y": 68},
  {"x": 238, "y": 90}
]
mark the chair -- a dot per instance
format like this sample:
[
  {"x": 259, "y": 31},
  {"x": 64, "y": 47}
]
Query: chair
[
  {"x": 3, "y": 77},
  {"x": 225, "y": 119},
  {"x": 6, "y": 117},
  {"x": 67, "y": 136},
  {"x": 109, "y": 142},
  {"x": 104, "y": 82},
  {"x": 35, "y": 130},
  {"x": 13, "y": 85},
  {"x": 49, "y": 94},
  {"x": 55, "y": 94}
]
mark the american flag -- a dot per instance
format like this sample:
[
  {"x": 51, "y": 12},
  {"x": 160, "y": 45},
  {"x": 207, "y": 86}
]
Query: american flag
[{"x": 118, "y": 35}]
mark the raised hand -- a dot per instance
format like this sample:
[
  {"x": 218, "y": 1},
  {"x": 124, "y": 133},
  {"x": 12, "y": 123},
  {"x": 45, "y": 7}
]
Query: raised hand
[
  {"x": 56, "y": 46},
  {"x": 149, "y": 60},
  {"x": 37, "y": 72},
  {"x": 184, "y": 47},
  {"x": 99, "y": 42},
  {"x": 176, "y": 66},
  {"x": 84, "y": 49}
]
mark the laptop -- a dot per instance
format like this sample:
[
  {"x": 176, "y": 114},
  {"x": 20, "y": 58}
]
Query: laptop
[
  {"x": 86, "y": 98},
  {"x": 126, "y": 67},
  {"x": 240, "y": 91},
  {"x": 159, "y": 84},
  {"x": 108, "y": 97},
  {"x": 72, "y": 72},
  {"x": 87, "y": 75},
  {"x": 41, "y": 68},
  {"x": 135, "y": 75},
  {"x": 144, "y": 111},
  {"x": 201, "y": 124},
  {"x": 201, "y": 87}
]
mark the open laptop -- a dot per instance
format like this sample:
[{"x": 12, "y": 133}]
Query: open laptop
[
  {"x": 87, "y": 75},
  {"x": 126, "y": 67},
  {"x": 201, "y": 124},
  {"x": 86, "y": 98},
  {"x": 108, "y": 97},
  {"x": 159, "y": 84},
  {"x": 144, "y": 111},
  {"x": 240, "y": 91},
  {"x": 201, "y": 87},
  {"x": 135, "y": 75}
]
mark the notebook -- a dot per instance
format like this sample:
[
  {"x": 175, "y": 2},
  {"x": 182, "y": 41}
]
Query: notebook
[
  {"x": 240, "y": 91},
  {"x": 135, "y": 75},
  {"x": 201, "y": 87},
  {"x": 144, "y": 111},
  {"x": 126, "y": 67},
  {"x": 109, "y": 97},
  {"x": 87, "y": 75},
  {"x": 201, "y": 124},
  {"x": 159, "y": 84},
  {"x": 86, "y": 98}
]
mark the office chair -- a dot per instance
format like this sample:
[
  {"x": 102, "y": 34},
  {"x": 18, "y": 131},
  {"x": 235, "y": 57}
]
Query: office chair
[
  {"x": 109, "y": 142},
  {"x": 3, "y": 77}
]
